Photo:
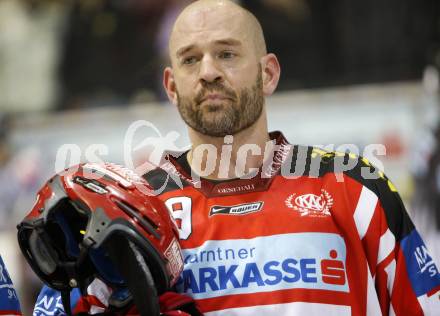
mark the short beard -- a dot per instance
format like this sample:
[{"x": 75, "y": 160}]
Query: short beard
[{"x": 242, "y": 111}]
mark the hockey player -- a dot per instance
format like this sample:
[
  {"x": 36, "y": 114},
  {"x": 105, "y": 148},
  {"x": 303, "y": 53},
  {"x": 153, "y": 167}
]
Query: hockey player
[
  {"x": 298, "y": 232},
  {"x": 267, "y": 228}
]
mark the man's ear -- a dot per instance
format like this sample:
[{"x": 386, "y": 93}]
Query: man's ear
[
  {"x": 271, "y": 73},
  {"x": 170, "y": 85}
]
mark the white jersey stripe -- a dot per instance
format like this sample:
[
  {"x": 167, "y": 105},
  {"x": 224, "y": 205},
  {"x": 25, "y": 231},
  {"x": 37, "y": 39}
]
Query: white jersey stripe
[
  {"x": 365, "y": 210},
  {"x": 392, "y": 312},
  {"x": 288, "y": 309},
  {"x": 386, "y": 245},
  {"x": 430, "y": 304},
  {"x": 373, "y": 307},
  {"x": 390, "y": 269}
]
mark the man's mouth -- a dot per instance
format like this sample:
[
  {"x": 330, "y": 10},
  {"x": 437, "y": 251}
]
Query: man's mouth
[{"x": 214, "y": 97}]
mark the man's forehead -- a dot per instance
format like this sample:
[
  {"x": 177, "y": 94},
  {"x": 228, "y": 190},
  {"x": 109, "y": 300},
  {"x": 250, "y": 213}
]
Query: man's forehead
[
  {"x": 231, "y": 42},
  {"x": 200, "y": 27}
]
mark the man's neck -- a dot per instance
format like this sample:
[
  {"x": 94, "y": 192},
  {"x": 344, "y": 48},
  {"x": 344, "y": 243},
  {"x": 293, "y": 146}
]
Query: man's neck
[{"x": 220, "y": 158}]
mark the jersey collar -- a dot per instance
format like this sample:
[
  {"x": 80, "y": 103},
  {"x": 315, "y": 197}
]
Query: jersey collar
[{"x": 260, "y": 182}]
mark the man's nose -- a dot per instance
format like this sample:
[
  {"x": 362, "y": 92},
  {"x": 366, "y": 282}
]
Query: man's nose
[{"x": 209, "y": 71}]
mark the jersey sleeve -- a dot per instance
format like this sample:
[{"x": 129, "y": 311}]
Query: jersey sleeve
[
  {"x": 95, "y": 301},
  {"x": 49, "y": 302},
  {"x": 406, "y": 279},
  {"x": 416, "y": 285},
  {"x": 9, "y": 304}
]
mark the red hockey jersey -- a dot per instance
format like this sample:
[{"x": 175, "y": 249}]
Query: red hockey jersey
[{"x": 313, "y": 233}]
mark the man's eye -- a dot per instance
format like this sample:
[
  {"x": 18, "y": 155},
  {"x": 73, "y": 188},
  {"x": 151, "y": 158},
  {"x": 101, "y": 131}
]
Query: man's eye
[
  {"x": 226, "y": 55},
  {"x": 189, "y": 60}
]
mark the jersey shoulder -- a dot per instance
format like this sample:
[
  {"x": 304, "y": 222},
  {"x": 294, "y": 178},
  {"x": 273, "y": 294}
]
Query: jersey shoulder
[
  {"x": 343, "y": 166},
  {"x": 166, "y": 177},
  {"x": 312, "y": 161}
]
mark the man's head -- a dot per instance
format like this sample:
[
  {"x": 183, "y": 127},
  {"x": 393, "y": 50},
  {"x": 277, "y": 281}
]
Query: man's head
[{"x": 220, "y": 68}]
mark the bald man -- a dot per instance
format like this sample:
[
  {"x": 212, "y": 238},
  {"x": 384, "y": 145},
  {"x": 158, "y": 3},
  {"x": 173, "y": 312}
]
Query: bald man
[
  {"x": 265, "y": 227},
  {"x": 219, "y": 77},
  {"x": 334, "y": 239}
]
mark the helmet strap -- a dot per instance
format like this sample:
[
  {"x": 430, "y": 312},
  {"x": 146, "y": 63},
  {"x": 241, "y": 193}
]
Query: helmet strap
[
  {"x": 128, "y": 259},
  {"x": 65, "y": 299}
]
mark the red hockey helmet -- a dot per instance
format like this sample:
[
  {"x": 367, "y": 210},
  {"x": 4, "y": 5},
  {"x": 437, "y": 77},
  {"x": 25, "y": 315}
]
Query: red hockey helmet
[{"x": 65, "y": 238}]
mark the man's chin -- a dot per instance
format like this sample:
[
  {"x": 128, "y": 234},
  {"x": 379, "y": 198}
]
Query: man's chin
[{"x": 214, "y": 128}]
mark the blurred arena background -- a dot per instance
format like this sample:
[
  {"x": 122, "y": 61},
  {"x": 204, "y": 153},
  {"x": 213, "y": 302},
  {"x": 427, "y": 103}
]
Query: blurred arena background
[{"x": 80, "y": 72}]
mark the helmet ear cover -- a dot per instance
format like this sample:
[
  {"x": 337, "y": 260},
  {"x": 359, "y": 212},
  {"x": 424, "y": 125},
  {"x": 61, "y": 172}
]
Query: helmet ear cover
[
  {"x": 45, "y": 256},
  {"x": 51, "y": 247}
]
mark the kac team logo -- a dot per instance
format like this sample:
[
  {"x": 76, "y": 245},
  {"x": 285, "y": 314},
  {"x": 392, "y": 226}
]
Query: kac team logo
[{"x": 311, "y": 204}]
